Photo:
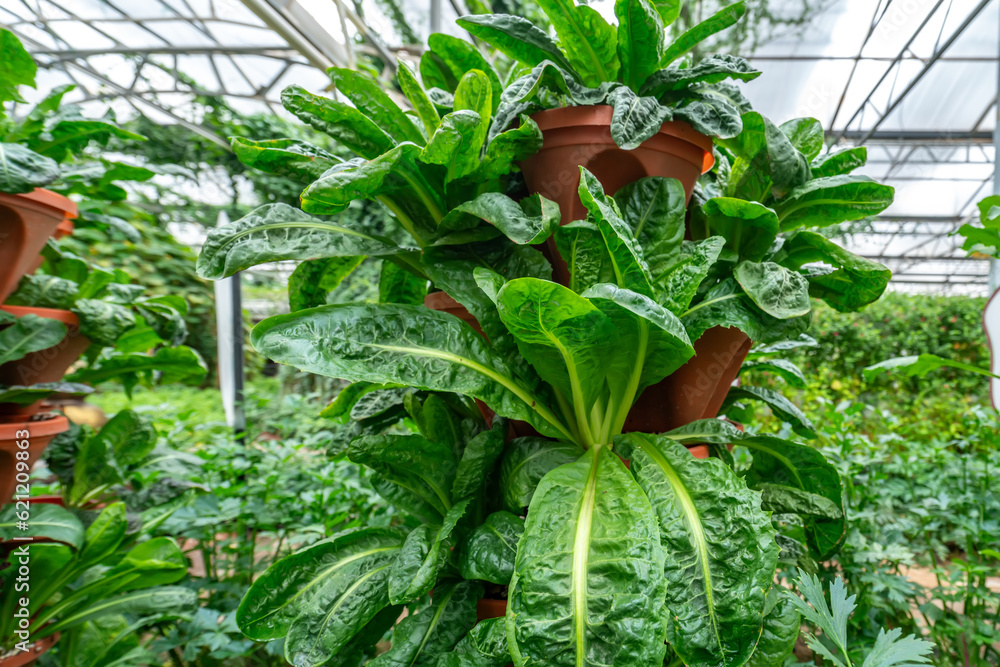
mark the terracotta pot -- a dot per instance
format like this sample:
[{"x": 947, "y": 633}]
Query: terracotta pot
[
  {"x": 697, "y": 389},
  {"x": 27, "y": 222},
  {"x": 487, "y": 609},
  {"x": 24, "y": 658},
  {"x": 581, "y": 136},
  {"x": 48, "y": 365},
  {"x": 442, "y": 302},
  {"x": 37, "y": 435}
]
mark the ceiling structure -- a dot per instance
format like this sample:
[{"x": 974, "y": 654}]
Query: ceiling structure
[{"x": 914, "y": 80}]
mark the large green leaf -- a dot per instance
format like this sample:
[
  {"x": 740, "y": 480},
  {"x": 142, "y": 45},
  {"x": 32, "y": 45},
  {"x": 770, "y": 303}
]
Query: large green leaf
[
  {"x": 921, "y": 365},
  {"x": 588, "y": 584},
  {"x": 23, "y": 170},
  {"x": 589, "y": 42},
  {"x": 103, "y": 322},
  {"x": 581, "y": 246},
  {"x": 640, "y": 40},
  {"x": 525, "y": 463},
  {"x": 22, "y": 395},
  {"x": 799, "y": 466},
  {"x": 712, "y": 110},
  {"x": 341, "y": 121},
  {"x": 654, "y": 210},
  {"x": 313, "y": 279},
  {"x": 321, "y": 596},
  {"x": 417, "y": 96},
  {"x": 529, "y": 221},
  {"x": 767, "y": 161},
  {"x": 277, "y": 232},
  {"x": 851, "y": 283},
  {"x": 399, "y": 285},
  {"x": 508, "y": 148},
  {"x": 452, "y": 145},
  {"x": 748, "y": 227},
  {"x": 515, "y": 37},
  {"x": 401, "y": 344},
  {"x": 17, "y": 67},
  {"x": 806, "y": 134},
  {"x": 829, "y": 201},
  {"x": 478, "y": 460},
  {"x": 726, "y": 305},
  {"x": 424, "y": 554},
  {"x": 781, "y": 629},
  {"x": 460, "y": 56},
  {"x": 567, "y": 339},
  {"x": 104, "y": 535},
  {"x": 412, "y": 462},
  {"x": 369, "y": 98},
  {"x": 720, "y": 551},
  {"x": 635, "y": 119},
  {"x": 684, "y": 272},
  {"x": 484, "y": 646},
  {"x": 163, "y": 600},
  {"x": 294, "y": 159},
  {"x": 42, "y": 520},
  {"x": 420, "y": 638},
  {"x": 779, "y": 292},
  {"x": 781, "y": 407},
  {"x": 713, "y": 69},
  {"x": 840, "y": 162},
  {"x": 718, "y": 22},
  {"x": 29, "y": 333},
  {"x": 489, "y": 550},
  {"x": 174, "y": 364}
]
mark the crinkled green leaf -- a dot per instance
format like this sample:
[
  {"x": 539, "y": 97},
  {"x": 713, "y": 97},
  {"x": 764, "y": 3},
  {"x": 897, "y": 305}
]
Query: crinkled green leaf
[
  {"x": 748, "y": 227},
  {"x": 478, "y": 460},
  {"x": 515, "y": 37},
  {"x": 424, "y": 554},
  {"x": 829, "y": 201},
  {"x": 369, "y": 98},
  {"x": 29, "y": 333},
  {"x": 718, "y": 22},
  {"x": 846, "y": 281},
  {"x": 23, "y": 170},
  {"x": 529, "y": 221},
  {"x": 344, "y": 123},
  {"x": 778, "y": 291},
  {"x": 640, "y": 40},
  {"x": 412, "y": 462},
  {"x": 713, "y": 69},
  {"x": 654, "y": 208},
  {"x": 313, "y": 279},
  {"x": 524, "y": 464},
  {"x": 678, "y": 282},
  {"x": 298, "y": 160},
  {"x": 417, "y": 96},
  {"x": 488, "y": 551},
  {"x": 17, "y": 67},
  {"x": 49, "y": 521},
  {"x": 840, "y": 162},
  {"x": 806, "y": 134},
  {"x": 635, "y": 119},
  {"x": 460, "y": 57},
  {"x": 589, "y": 42},
  {"x": 781, "y": 629}
]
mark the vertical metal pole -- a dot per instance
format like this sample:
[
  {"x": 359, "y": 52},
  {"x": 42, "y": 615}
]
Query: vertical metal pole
[
  {"x": 435, "y": 15},
  {"x": 995, "y": 264},
  {"x": 229, "y": 327}
]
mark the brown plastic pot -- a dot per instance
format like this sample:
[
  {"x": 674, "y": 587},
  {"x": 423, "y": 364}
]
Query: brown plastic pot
[
  {"x": 697, "y": 389},
  {"x": 29, "y": 657},
  {"x": 48, "y": 365},
  {"x": 581, "y": 136},
  {"x": 35, "y": 436},
  {"x": 27, "y": 221}
]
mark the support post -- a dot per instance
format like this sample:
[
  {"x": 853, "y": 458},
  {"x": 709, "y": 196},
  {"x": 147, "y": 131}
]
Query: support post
[
  {"x": 995, "y": 263},
  {"x": 229, "y": 330}
]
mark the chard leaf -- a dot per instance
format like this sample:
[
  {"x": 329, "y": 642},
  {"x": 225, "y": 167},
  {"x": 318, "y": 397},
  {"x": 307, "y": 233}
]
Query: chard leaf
[
  {"x": 718, "y": 22},
  {"x": 653, "y": 208},
  {"x": 417, "y": 96},
  {"x": 438, "y": 422},
  {"x": 713, "y": 69},
  {"x": 781, "y": 630},
  {"x": 921, "y": 365},
  {"x": 655, "y": 334},
  {"x": 478, "y": 460},
  {"x": 402, "y": 344},
  {"x": 424, "y": 468},
  {"x": 779, "y": 292},
  {"x": 484, "y": 646},
  {"x": 806, "y": 134},
  {"x": 840, "y": 162},
  {"x": 588, "y": 587},
  {"x": 22, "y": 395},
  {"x": 590, "y": 43},
  {"x": 313, "y": 279},
  {"x": 748, "y": 227},
  {"x": 294, "y": 159},
  {"x": 436, "y": 75},
  {"x": 23, "y": 170},
  {"x": 640, "y": 40},
  {"x": 321, "y": 596},
  {"x": 160, "y": 600},
  {"x": 103, "y": 322},
  {"x": 508, "y": 148},
  {"x": 345, "y": 124},
  {"x": 524, "y": 464},
  {"x": 853, "y": 281},
  {"x": 829, "y": 201},
  {"x": 16, "y": 69},
  {"x": 630, "y": 269},
  {"x": 277, "y": 232},
  {"x": 711, "y": 113},
  {"x": 49, "y": 521},
  {"x": 767, "y": 161},
  {"x": 635, "y": 119},
  {"x": 720, "y": 551},
  {"x": 452, "y": 146},
  {"x": 369, "y": 98},
  {"x": 29, "y": 333},
  {"x": 783, "y": 368},
  {"x": 780, "y": 499},
  {"x": 711, "y": 431},
  {"x": 461, "y": 57},
  {"x": 726, "y": 305},
  {"x": 802, "y": 467},
  {"x": 679, "y": 281},
  {"x": 340, "y": 408},
  {"x": 565, "y": 338},
  {"x": 669, "y": 10},
  {"x": 420, "y": 638},
  {"x": 529, "y": 221},
  {"x": 515, "y": 37},
  {"x": 581, "y": 246},
  {"x": 397, "y": 285},
  {"x": 489, "y": 550},
  {"x": 781, "y": 407},
  {"x": 424, "y": 554},
  {"x": 174, "y": 364},
  {"x": 41, "y": 290}
]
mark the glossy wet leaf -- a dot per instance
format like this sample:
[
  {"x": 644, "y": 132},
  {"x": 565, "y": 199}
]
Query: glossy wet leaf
[
  {"x": 829, "y": 201},
  {"x": 420, "y": 638},
  {"x": 640, "y": 40},
  {"x": 489, "y": 550},
  {"x": 50, "y": 521},
  {"x": 588, "y": 584},
  {"x": 782, "y": 408},
  {"x": 720, "y": 551},
  {"x": 322, "y": 595},
  {"x": 104, "y": 535},
  {"x": 588, "y": 41},
  {"x": 779, "y": 292},
  {"x": 277, "y": 232},
  {"x": 846, "y": 281},
  {"x": 398, "y": 285},
  {"x": 718, "y": 22},
  {"x": 103, "y": 322},
  {"x": 159, "y": 600},
  {"x": 174, "y": 364},
  {"x": 748, "y": 227},
  {"x": 635, "y": 119},
  {"x": 581, "y": 246},
  {"x": 23, "y": 170},
  {"x": 417, "y": 96},
  {"x": 781, "y": 630},
  {"x": 726, "y": 305},
  {"x": 400, "y": 344},
  {"x": 529, "y": 221},
  {"x": 29, "y": 333},
  {"x": 313, "y": 279},
  {"x": 17, "y": 67},
  {"x": 452, "y": 145},
  {"x": 653, "y": 208},
  {"x": 783, "y": 368},
  {"x": 525, "y": 462},
  {"x": 515, "y": 37},
  {"x": 345, "y": 124},
  {"x": 713, "y": 110},
  {"x": 369, "y": 98},
  {"x": 712, "y": 69},
  {"x": 508, "y": 148},
  {"x": 460, "y": 57},
  {"x": 22, "y": 395},
  {"x": 806, "y": 134},
  {"x": 478, "y": 460},
  {"x": 412, "y": 462},
  {"x": 678, "y": 282},
  {"x": 424, "y": 554},
  {"x": 292, "y": 158},
  {"x": 767, "y": 164},
  {"x": 840, "y": 162}
]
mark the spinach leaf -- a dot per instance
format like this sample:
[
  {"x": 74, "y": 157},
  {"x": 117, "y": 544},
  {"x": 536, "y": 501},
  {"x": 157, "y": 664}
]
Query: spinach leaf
[
  {"x": 291, "y": 158},
  {"x": 640, "y": 40},
  {"x": 369, "y": 98},
  {"x": 489, "y": 551},
  {"x": 654, "y": 208},
  {"x": 23, "y": 170},
  {"x": 718, "y": 22},
  {"x": 415, "y": 464},
  {"x": 749, "y": 228},
  {"x": 829, "y": 201},
  {"x": 29, "y": 333},
  {"x": 850, "y": 283},
  {"x": 344, "y": 123},
  {"x": 524, "y": 464},
  {"x": 589, "y": 42},
  {"x": 779, "y": 292},
  {"x": 635, "y": 119},
  {"x": 423, "y": 556},
  {"x": 515, "y": 37}
]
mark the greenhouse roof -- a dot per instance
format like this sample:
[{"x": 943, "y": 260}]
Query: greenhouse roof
[{"x": 914, "y": 80}]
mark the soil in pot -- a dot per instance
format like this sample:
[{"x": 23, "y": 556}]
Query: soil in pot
[
  {"x": 24, "y": 658},
  {"x": 27, "y": 221},
  {"x": 31, "y": 437},
  {"x": 581, "y": 136}
]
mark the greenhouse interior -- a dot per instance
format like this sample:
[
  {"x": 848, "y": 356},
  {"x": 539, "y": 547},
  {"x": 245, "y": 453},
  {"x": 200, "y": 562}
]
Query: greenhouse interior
[{"x": 488, "y": 333}]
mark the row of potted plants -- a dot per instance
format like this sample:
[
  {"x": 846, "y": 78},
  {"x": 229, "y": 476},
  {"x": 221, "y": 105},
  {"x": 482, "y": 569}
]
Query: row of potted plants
[{"x": 614, "y": 229}]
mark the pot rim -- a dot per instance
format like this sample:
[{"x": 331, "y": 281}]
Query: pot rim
[
  {"x": 37, "y": 429},
  {"x": 49, "y": 199},
  {"x": 67, "y": 317}
]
